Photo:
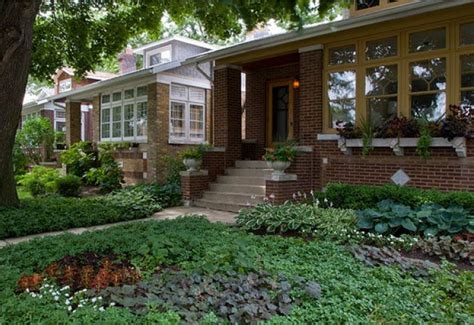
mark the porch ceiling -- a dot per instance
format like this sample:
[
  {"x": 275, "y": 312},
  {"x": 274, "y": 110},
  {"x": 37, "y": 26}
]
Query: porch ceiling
[{"x": 271, "y": 62}]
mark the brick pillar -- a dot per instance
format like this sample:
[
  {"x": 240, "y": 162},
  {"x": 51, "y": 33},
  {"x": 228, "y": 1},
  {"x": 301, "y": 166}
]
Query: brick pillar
[
  {"x": 158, "y": 128},
  {"x": 255, "y": 110},
  {"x": 73, "y": 122},
  {"x": 311, "y": 100},
  {"x": 95, "y": 115},
  {"x": 227, "y": 112},
  {"x": 193, "y": 185}
]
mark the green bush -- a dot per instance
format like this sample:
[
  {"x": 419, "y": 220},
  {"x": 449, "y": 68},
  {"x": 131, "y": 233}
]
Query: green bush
[
  {"x": 300, "y": 218},
  {"x": 40, "y": 180},
  {"x": 359, "y": 197},
  {"x": 69, "y": 185},
  {"x": 46, "y": 214},
  {"x": 108, "y": 176},
  {"x": 79, "y": 158},
  {"x": 172, "y": 168},
  {"x": 36, "y": 133},
  {"x": 167, "y": 195}
]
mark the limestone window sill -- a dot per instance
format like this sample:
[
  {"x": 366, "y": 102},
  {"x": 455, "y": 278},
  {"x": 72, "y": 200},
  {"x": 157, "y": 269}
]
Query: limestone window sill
[{"x": 397, "y": 144}]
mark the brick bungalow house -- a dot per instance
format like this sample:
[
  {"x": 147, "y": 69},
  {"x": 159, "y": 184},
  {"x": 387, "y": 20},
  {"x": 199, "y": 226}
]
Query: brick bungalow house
[
  {"x": 300, "y": 83},
  {"x": 158, "y": 110},
  {"x": 54, "y": 111}
]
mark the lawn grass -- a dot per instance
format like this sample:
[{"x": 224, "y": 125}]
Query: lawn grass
[{"x": 351, "y": 292}]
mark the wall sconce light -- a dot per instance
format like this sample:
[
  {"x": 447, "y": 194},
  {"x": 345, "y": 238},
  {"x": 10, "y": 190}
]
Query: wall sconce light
[{"x": 296, "y": 84}]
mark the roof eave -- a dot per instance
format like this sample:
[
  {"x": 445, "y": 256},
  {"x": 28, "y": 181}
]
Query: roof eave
[{"x": 418, "y": 7}]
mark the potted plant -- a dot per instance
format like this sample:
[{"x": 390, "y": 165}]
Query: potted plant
[
  {"x": 280, "y": 157},
  {"x": 192, "y": 158}
]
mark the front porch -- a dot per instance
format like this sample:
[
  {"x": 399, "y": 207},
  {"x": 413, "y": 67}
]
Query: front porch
[{"x": 276, "y": 110}]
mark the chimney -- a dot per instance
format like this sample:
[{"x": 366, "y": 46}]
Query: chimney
[{"x": 127, "y": 61}]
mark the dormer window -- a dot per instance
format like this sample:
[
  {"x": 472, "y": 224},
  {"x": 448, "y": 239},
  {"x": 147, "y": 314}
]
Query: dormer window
[
  {"x": 65, "y": 85},
  {"x": 360, "y": 7},
  {"x": 158, "y": 56}
]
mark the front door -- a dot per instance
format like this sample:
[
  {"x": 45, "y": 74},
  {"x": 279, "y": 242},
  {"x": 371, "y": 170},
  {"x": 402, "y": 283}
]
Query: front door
[{"x": 279, "y": 112}]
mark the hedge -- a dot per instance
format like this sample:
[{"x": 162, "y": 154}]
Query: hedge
[{"x": 359, "y": 197}]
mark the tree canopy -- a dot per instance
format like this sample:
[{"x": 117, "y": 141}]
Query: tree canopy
[{"x": 83, "y": 34}]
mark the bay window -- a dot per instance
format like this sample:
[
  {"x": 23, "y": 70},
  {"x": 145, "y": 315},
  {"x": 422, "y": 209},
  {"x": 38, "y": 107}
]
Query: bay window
[
  {"x": 124, "y": 115},
  {"x": 187, "y": 114}
]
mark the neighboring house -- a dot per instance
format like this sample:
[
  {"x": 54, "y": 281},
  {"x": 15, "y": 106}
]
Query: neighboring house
[
  {"x": 63, "y": 81},
  {"x": 158, "y": 110},
  {"x": 387, "y": 58}
]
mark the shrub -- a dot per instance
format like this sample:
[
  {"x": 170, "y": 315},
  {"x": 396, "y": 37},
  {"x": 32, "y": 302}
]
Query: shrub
[
  {"x": 109, "y": 175},
  {"x": 68, "y": 185},
  {"x": 167, "y": 195},
  {"x": 299, "y": 218},
  {"x": 40, "y": 180},
  {"x": 429, "y": 219},
  {"x": 172, "y": 168},
  {"x": 359, "y": 197},
  {"x": 38, "y": 215},
  {"x": 36, "y": 133},
  {"x": 133, "y": 203},
  {"x": 448, "y": 247},
  {"x": 79, "y": 158}
]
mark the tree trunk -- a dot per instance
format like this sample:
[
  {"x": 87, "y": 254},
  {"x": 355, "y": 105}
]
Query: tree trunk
[{"x": 16, "y": 29}]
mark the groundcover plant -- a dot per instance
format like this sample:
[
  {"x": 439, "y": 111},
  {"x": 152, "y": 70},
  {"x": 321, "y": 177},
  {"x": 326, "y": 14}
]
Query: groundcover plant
[{"x": 320, "y": 280}]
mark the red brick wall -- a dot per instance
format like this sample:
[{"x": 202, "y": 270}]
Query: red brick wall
[
  {"x": 444, "y": 170},
  {"x": 214, "y": 163},
  {"x": 227, "y": 112},
  {"x": 192, "y": 187}
]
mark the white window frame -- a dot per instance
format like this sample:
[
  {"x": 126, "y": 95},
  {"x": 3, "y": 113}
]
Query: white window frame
[
  {"x": 122, "y": 102},
  {"x": 59, "y": 119},
  {"x": 156, "y": 51},
  {"x": 187, "y": 139},
  {"x": 62, "y": 83}
]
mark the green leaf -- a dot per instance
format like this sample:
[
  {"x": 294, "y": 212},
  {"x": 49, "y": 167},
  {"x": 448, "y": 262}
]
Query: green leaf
[
  {"x": 381, "y": 227},
  {"x": 408, "y": 224},
  {"x": 365, "y": 223},
  {"x": 430, "y": 232}
]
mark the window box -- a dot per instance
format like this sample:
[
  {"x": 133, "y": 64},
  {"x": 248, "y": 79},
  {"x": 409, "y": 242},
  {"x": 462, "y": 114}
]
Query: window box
[{"x": 397, "y": 144}]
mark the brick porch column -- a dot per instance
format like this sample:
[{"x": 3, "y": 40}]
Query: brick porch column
[
  {"x": 95, "y": 113},
  {"x": 73, "y": 122},
  {"x": 311, "y": 91},
  {"x": 227, "y": 112}
]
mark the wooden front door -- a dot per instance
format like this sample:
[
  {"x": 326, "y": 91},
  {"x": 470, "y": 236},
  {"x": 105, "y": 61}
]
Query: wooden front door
[{"x": 280, "y": 105}]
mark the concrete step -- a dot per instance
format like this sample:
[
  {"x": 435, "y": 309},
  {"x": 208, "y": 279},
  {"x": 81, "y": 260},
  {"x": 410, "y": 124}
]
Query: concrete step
[
  {"x": 203, "y": 203},
  {"x": 233, "y": 198},
  {"x": 248, "y": 172},
  {"x": 235, "y": 180},
  {"x": 238, "y": 188},
  {"x": 254, "y": 164}
]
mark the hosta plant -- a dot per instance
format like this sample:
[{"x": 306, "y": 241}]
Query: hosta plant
[
  {"x": 295, "y": 218},
  {"x": 429, "y": 219}
]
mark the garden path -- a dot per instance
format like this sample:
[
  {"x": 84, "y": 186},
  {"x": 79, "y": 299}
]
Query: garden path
[{"x": 170, "y": 213}]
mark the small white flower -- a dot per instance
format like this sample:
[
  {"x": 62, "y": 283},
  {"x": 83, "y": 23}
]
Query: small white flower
[
  {"x": 311, "y": 192},
  {"x": 272, "y": 196},
  {"x": 101, "y": 309},
  {"x": 33, "y": 295},
  {"x": 79, "y": 306},
  {"x": 94, "y": 299},
  {"x": 294, "y": 196},
  {"x": 69, "y": 308},
  {"x": 27, "y": 290},
  {"x": 100, "y": 298},
  {"x": 56, "y": 298},
  {"x": 112, "y": 304}
]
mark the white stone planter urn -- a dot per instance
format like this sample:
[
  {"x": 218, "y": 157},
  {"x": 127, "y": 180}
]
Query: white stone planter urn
[
  {"x": 192, "y": 165},
  {"x": 278, "y": 166}
]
